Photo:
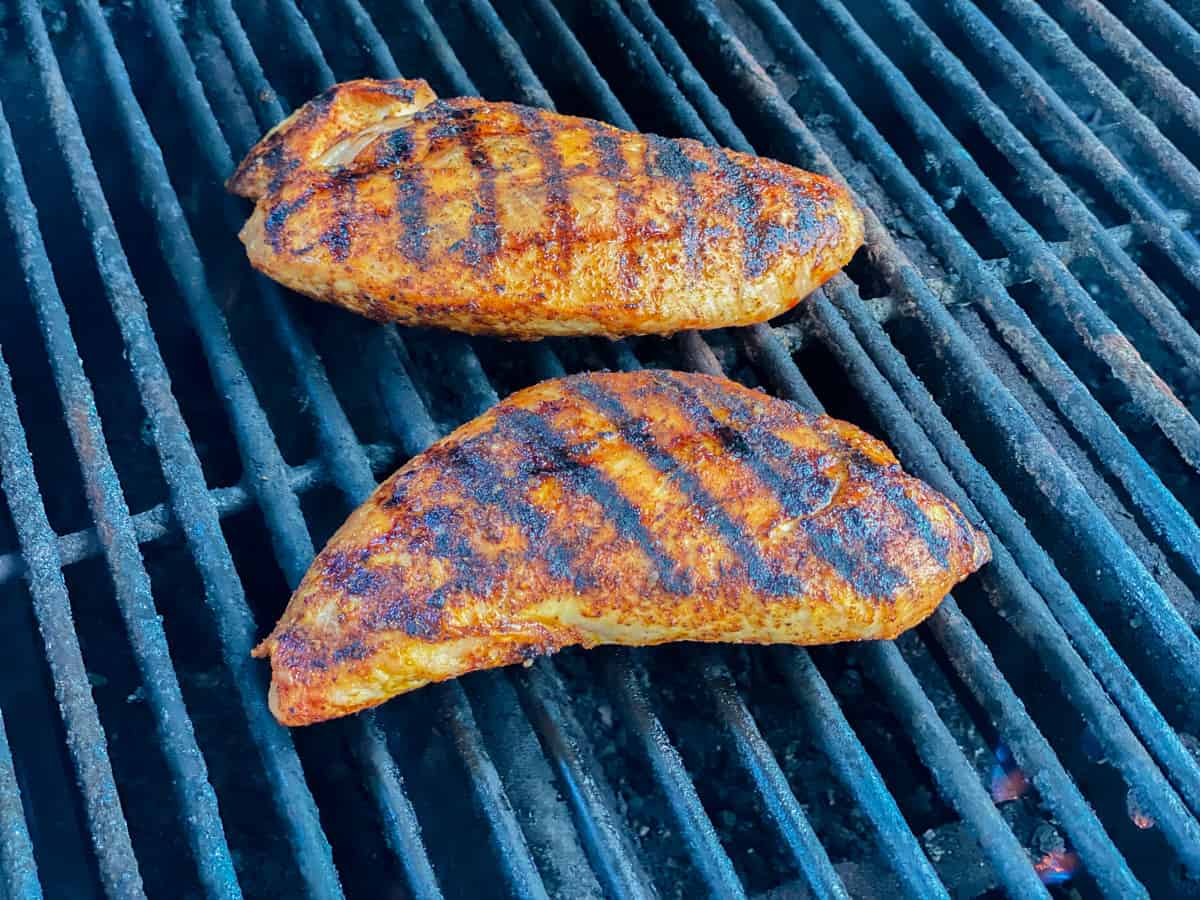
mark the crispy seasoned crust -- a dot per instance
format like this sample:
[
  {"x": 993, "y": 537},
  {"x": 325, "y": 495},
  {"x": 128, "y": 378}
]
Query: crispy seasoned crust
[
  {"x": 501, "y": 219},
  {"x": 627, "y": 508},
  {"x": 333, "y": 117}
]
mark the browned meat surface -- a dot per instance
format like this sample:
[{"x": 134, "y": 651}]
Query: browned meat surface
[
  {"x": 502, "y": 219},
  {"x": 633, "y": 508}
]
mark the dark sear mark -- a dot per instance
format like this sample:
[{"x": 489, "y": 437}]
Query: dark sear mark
[
  {"x": 480, "y": 249},
  {"x": 637, "y": 435},
  {"x": 396, "y": 152},
  {"x": 278, "y": 216},
  {"x": 337, "y": 238},
  {"x": 613, "y": 167},
  {"x": 278, "y": 165},
  {"x": 551, "y": 453},
  {"x": 744, "y": 204},
  {"x": 881, "y": 480},
  {"x": 802, "y": 489},
  {"x": 669, "y": 161},
  {"x": 466, "y": 470},
  {"x": 401, "y": 92},
  {"x": 483, "y": 480},
  {"x": 859, "y": 553},
  {"x": 558, "y": 197}
]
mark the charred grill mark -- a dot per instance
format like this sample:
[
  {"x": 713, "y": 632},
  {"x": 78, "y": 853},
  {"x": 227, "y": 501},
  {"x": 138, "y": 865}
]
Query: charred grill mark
[
  {"x": 337, "y": 238},
  {"x": 858, "y": 551},
  {"x": 400, "y": 91},
  {"x": 278, "y": 165},
  {"x": 608, "y": 148},
  {"x": 637, "y": 435},
  {"x": 745, "y": 204},
  {"x": 480, "y": 249},
  {"x": 558, "y": 198},
  {"x": 396, "y": 149},
  {"x": 484, "y": 481},
  {"x": 468, "y": 471},
  {"x": 810, "y": 208},
  {"x": 672, "y": 163},
  {"x": 613, "y": 167},
  {"x": 397, "y": 152},
  {"x": 855, "y": 546},
  {"x": 553, "y": 454},
  {"x": 803, "y": 491},
  {"x": 278, "y": 216},
  {"x": 886, "y": 481}
]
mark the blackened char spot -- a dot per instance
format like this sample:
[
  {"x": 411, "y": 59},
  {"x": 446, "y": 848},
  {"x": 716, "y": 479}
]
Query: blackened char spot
[
  {"x": 278, "y": 216},
  {"x": 480, "y": 249},
  {"x": 855, "y": 548},
  {"x": 554, "y": 454},
  {"x": 396, "y": 149},
  {"x": 637, "y": 434},
  {"x": 671, "y": 162},
  {"x": 363, "y": 581},
  {"x": 445, "y": 533},
  {"x": 337, "y": 238},
  {"x": 608, "y": 149},
  {"x": 481, "y": 479},
  {"x": 613, "y": 166},
  {"x": 558, "y": 200},
  {"x": 401, "y": 92},
  {"x": 802, "y": 489},
  {"x": 355, "y": 650},
  {"x": 410, "y": 195},
  {"x": 744, "y": 205},
  {"x": 885, "y": 480}
]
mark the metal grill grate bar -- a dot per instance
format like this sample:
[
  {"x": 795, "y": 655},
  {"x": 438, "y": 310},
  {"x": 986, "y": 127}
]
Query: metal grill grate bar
[
  {"x": 1088, "y": 234},
  {"x": 18, "y": 869},
  {"x": 1160, "y": 82},
  {"x": 1146, "y": 211},
  {"x": 1164, "y": 512},
  {"x": 1095, "y": 646},
  {"x": 130, "y": 579},
  {"x": 604, "y": 839},
  {"x": 1028, "y": 560},
  {"x": 1027, "y": 446},
  {"x": 1023, "y": 243},
  {"x": 837, "y": 318},
  {"x": 52, "y": 607},
  {"x": 624, "y": 673},
  {"x": 1047, "y": 749},
  {"x": 456, "y": 709},
  {"x": 159, "y": 521},
  {"x": 730, "y": 41},
  {"x": 1183, "y": 174}
]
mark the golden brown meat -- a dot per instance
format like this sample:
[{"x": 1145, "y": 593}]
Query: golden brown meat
[
  {"x": 632, "y": 508},
  {"x": 501, "y": 219}
]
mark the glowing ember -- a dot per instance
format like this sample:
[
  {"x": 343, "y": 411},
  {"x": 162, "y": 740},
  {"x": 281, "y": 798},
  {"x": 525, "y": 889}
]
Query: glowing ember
[
  {"x": 1057, "y": 866},
  {"x": 1137, "y": 813},
  {"x": 1008, "y": 781}
]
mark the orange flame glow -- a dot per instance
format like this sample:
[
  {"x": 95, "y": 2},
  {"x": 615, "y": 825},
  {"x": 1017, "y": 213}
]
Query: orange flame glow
[
  {"x": 1057, "y": 866},
  {"x": 1008, "y": 781},
  {"x": 1137, "y": 814}
]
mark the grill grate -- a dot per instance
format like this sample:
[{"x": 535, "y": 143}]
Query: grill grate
[{"x": 1020, "y": 333}]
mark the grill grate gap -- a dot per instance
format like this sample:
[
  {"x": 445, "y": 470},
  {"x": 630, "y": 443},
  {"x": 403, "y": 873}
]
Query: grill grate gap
[
  {"x": 453, "y": 364},
  {"x": 1110, "y": 391},
  {"x": 44, "y": 773},
  {"x": 1046, "y": 49},
  {"x": 1154, "y": 91},
  {"x": 140, "y": 771}
]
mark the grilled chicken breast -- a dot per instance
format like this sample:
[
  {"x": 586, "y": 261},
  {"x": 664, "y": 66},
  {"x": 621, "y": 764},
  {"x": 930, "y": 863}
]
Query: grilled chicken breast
[
  {"x": 620, "y": 508},
  {"x": 494, "y": 218}
]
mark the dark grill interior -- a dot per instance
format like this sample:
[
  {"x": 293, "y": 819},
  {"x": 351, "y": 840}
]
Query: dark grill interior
[{"x": 177, "y": 436}]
